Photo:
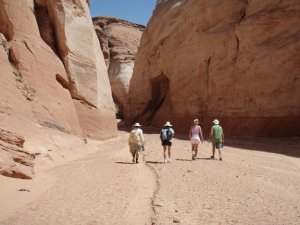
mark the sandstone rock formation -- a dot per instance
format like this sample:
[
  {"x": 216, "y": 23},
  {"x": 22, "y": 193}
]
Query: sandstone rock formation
[
  {"x": 14, "y": 160},
  {"x": 54, "y": 86},
  {"x": 237, "y": 61},
  {"x": 119, "y": 41}
]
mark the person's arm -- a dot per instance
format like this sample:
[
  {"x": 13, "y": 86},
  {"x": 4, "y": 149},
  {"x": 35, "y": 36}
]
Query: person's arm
[
  {"x": 223, "y": 140},
  {"x": 129, "y": 139},
  {"x": 190, "y": 133},
  {"x": 142, "y": 138},
  {"x": 201, "y": 135},
  {"x": 211, "y": 133}
]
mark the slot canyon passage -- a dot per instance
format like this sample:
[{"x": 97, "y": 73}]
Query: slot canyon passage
[{"x": 72, "y": 86}]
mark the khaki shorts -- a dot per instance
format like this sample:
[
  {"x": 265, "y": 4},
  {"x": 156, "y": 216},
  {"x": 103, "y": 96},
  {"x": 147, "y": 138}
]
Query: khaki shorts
[
  {"x": 218, "y": 145},
  {"x": 134, "y": 148}
]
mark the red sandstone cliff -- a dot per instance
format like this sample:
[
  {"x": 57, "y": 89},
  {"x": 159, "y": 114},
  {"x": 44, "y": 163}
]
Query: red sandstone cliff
[
  {"x": 54, "y": 86},
  {"x": 119, "y": 41},
  {"x": 237, "y": 61}
]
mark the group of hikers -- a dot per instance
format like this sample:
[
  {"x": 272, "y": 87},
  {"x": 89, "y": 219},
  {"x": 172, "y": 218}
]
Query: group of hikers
[{"x": 136, "y": 140}]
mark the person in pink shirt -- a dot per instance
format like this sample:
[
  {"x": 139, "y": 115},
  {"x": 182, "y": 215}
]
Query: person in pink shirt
[{"x": 195, "y": 135}]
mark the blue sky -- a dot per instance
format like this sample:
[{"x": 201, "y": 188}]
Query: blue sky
[{"x": 137, "y": 11}]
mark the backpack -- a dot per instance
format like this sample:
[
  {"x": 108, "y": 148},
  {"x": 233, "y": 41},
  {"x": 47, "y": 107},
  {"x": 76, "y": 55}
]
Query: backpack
[
  {"x": 165, "y": 135},
  {"x": 134, "y": 137}
]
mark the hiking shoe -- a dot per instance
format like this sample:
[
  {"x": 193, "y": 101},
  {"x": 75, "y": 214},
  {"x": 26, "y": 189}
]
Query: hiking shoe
[
  {"x": 165, "y": 161},
  {"x": 193, "y": 157},
  {"x": 169, "y": 160},
  {"x": 212, "y": 157},
  {"x": 221, "y": 159},
  {"x": 133, "y": 160}
]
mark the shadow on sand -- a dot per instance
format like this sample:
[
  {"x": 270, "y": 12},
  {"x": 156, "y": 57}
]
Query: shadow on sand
[
  {"x": 154, "y": 162},
  {"x": 205, "y": 158},
  {"x": 289, "y": 146},
  {"x": 125, "y": 163},
  {"x": 188, "y": 160}
]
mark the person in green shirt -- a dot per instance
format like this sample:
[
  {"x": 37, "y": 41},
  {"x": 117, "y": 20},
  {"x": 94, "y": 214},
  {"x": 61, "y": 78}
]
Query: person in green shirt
[{"x": 217, "y": 138}]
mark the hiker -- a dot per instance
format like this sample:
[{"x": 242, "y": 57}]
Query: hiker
[
  {"x": 136, "y": 142},
  {"x": 195, "y": 135},
  {"x": 217, "y": 138},
  {"x": 166, "y": 135}
]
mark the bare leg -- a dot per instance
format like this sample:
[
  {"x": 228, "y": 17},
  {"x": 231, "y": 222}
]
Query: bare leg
[
  {"x": 165, "y": 153},
  {"x": 193, "y": 152},
  {"x": 220, "y": 155},
  {"x": 196, "y": 151},
  {"x": 169, "y": 153},
  {"x": 213, "y": 150},
  {"x": 137, "y": 157}
]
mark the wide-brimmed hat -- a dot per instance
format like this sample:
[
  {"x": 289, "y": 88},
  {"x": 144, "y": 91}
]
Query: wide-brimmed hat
[
  {"x": 215, "y": 121},
  {"x": 168, "y": 124},
  {"x": 136, "y": 125},
  {"x": 196, "y": 121}
]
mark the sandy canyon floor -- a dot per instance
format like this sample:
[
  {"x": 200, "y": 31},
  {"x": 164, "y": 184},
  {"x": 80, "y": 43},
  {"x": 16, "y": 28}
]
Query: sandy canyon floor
[{"x": 258, "y": 182}]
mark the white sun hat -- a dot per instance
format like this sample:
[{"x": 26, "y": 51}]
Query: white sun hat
[
  {"x": 168, "y": 124},
  {"x": 196, "y": 121},
  {"x": 216, "y": 121},
  {"x": 136, "y": 125}
]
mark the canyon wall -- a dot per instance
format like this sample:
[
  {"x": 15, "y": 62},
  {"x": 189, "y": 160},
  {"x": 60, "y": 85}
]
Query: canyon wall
[
  {"x": 234, "y": 60},
  {"x": 119, "y": 41},
  {"x": 54, "y": 87}
]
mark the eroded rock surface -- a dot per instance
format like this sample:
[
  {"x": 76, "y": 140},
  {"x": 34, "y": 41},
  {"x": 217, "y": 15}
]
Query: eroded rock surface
[
  {"x": 237, "y": 61},
  {"x": 119, "y": 41},
  {"x": 51, "y": 60},
  {"x": 14, "y": 160}
]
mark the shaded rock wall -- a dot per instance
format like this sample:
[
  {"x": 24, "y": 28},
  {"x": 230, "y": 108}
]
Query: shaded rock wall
[
  {"x": 53, "y": 75},
  {"x": 237, "y": 61},
  {"x": 119, "y": 41}
]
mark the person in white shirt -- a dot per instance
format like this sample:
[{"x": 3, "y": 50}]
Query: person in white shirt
[
  {"x": 196, "y": 137},
  {"x": 136, "y": 141}
]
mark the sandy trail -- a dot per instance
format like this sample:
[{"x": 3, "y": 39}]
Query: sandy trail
[
  {"x": 248, "y": 187},
  {"x": 103, "y": 188}
]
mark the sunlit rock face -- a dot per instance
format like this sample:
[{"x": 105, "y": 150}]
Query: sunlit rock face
[
  {"x": 237, "y": 61},
  {"x": 80, "y": 51},
  {"x": 54, "y": 89},
  {"x": 119, "y": 41}
]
